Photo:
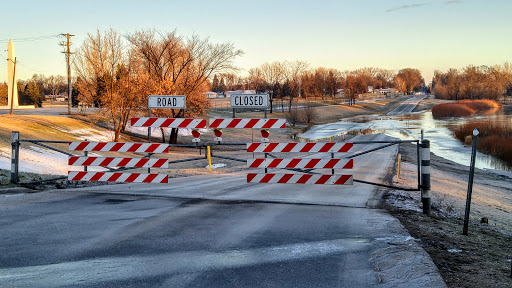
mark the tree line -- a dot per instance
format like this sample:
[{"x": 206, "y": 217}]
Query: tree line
[
  {"x": 294, "y": 78},
  {"x": 473, "y": 82},
  {"x": 33, "y": 90}
]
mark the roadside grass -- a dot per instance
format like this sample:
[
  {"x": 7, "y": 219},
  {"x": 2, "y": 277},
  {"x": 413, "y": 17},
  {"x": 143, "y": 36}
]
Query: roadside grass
[
  {"x": 463, "y": 108},
  {"x": 495, "y": 137}
]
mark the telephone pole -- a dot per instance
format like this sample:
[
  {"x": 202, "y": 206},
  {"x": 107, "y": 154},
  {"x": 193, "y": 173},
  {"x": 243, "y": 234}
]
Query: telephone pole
[{"x": 67, "y": 45}]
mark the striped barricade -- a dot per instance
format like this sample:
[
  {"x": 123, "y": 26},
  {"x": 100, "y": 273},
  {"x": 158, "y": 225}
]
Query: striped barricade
[
  {"x": 118, "y": 147},
  {"x": 117, "y": 177},
  {"x": 299, "y": 178},
  {"x": 299, "y": 147},
  {"x": 118, "y": 162},
  {"x": 297, "y": 163},
  {"x": 253, "y": 123},
  {"x": 124, "y": 162},
  {"x": 168, "y": 122},
  {"x": 300, "y": 163}
]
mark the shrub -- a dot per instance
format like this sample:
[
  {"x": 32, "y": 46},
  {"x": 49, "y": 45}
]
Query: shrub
[
  {"x": 309, "y": 114},
  {"x": 292, "y": 117}
]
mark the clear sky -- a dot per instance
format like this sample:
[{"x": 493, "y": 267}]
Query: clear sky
[{"x": 346, "y": 35}]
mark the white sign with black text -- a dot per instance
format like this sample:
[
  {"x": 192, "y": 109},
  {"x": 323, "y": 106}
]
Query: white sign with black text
[
  {"x": 249, "y": 100},
  {"x": 167, "y": 101}
]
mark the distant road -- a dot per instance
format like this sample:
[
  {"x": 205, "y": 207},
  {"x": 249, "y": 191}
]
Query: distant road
[
  {"x": 213, "y": 231},
  {"x": 407, "y": 106}
]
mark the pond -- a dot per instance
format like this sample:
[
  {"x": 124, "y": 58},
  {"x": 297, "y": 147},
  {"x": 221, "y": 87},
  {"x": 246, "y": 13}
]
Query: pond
[{"x": 408, "y": 127}]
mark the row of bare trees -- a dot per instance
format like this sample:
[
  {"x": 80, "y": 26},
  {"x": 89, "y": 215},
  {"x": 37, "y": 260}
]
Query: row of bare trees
[
  {"x": 120, "y": 71},
  {"x": 293, "y": 79},
  {"x": 473, "y": 82}
]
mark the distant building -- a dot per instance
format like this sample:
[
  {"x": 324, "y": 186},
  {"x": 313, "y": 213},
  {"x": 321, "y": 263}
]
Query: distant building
[
  {"x": 340, "y": 92},
  {"x": 55, "y": 97},
  {"x": 370, "y": 89},
  {"x": 235, "y": 92}
]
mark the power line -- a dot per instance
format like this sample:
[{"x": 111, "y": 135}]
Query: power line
[{"x": 27, "y": 39}]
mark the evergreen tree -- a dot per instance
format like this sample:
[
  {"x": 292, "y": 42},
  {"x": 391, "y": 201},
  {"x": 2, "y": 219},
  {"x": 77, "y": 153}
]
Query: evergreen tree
[
  {"x": 215, "y": 84},
  {"x": 32, "y": 91},
  {"x": 222, "y": 86}
]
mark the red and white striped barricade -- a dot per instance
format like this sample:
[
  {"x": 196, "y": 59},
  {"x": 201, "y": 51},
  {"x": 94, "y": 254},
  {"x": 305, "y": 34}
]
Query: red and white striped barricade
[
  {"x": 300, "y": 163},
  {"x": 168, "y": 122},
  {"x": 248, "y": 123},
  {"x": 118, "y": 177},
  {"x": 252, "y": 123},
  {"x": 299, "y": 147},
  {"x": 118, "y": 162},
  {"x": 126, "y": 162},
  {"x": 118, "y": 147},
  {"x": 275, "y": 178},
  {"x": 189, "y": 123}
]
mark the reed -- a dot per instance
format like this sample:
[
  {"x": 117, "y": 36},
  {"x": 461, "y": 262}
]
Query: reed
[
  {"x": 463, "y": 108},
  {"x": 451, "y": 110},
  {"x": 495, "y": 138}
]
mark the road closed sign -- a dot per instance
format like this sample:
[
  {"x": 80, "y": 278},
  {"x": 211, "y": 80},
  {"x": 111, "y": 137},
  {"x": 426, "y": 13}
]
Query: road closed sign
[
  {"x": 249, "y": 100},
  {"x": 167, "y": 101}
]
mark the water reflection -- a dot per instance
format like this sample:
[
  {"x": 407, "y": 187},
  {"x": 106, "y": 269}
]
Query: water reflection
[{"x": 408, "y": 127}]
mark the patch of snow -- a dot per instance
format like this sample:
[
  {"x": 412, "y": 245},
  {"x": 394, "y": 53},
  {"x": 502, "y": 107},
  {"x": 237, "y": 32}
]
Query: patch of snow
[
  {"x": 39, "y": 160},
  {"x": 90, "y": 134},
  {"x": 217, "y": 165},
  {"x": 453, "y": 250}
]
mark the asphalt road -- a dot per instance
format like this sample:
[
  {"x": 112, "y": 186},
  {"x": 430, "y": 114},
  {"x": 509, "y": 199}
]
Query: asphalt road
[
  {"x": 212, "y": 231},
  {"x": 407, "y": 106}
]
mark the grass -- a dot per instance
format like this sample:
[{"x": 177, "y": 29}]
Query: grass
[
  {"x": 463, "y": 108},
  {"x": 495, "y": 138}
]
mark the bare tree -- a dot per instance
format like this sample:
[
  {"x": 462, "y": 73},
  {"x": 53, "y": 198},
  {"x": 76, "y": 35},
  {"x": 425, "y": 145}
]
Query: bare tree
[
  {"x": 182, "y": 66},
  {"x": 108, "y": 76}
]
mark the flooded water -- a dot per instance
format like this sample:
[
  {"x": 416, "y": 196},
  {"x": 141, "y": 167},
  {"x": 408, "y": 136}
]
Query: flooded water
[{"x": 408, "y": 127}]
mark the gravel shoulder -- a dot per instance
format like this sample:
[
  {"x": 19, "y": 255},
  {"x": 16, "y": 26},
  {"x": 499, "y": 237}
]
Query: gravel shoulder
[{"x": 480, "y": 259}]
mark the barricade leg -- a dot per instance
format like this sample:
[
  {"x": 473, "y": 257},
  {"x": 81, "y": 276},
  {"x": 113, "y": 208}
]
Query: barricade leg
[{"x": 425, "y": 176}]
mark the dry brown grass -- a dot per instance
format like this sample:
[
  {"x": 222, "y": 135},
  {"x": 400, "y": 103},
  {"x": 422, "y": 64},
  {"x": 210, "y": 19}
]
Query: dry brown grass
[
  {"x": 463, "y": 108},
  {"x": 451, "y": 110},
  {"x": 495, "y": 138},
  {"x": 480, "y": 104}
]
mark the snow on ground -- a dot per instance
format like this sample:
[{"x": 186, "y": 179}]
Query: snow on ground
[
  {"x": 36, "y": 160},
  {"x": 216, "y": 165},
  {"x": 90, "y": 134}
]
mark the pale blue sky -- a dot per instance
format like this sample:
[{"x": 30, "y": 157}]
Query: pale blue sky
[{"x": 346, "y": 35}]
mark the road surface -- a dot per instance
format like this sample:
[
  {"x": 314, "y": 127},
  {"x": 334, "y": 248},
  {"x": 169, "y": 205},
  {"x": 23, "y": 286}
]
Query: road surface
[
  {"x": 212, "y": 231},
  {"x": 407, "y": 106}
]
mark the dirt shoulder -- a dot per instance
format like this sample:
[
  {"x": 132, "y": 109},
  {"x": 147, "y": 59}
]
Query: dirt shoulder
[{"x": 480, "y": 259}]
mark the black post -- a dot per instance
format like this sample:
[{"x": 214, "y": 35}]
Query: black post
[
  {"x": 418, "y": 163},
  {"x": 85, "y": 154},
  {"x": 15, "y": 155},
  {"x": 470, "y": 182},
  {"x": 234, "y": 113},
  {"x": 425, "y": 176},
  {"x": 271, "y": 100}
]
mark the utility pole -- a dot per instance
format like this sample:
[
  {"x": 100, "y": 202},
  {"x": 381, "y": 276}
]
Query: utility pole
[
  {"x": 13, "y": 79},
  {"x": 68, "y": 53}
]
